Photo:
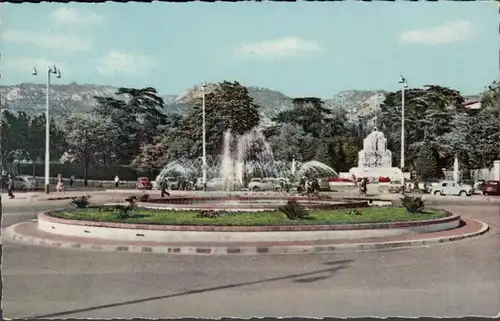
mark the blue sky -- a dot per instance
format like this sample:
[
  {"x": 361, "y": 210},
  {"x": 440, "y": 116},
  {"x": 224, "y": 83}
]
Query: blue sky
[{"x": 300, "y": 49}]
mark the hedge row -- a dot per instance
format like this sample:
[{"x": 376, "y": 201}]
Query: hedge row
[{"x": 125, "y": 173}]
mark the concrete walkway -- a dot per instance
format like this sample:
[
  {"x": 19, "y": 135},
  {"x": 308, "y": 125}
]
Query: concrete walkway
[{"x": 28, "y": 233}]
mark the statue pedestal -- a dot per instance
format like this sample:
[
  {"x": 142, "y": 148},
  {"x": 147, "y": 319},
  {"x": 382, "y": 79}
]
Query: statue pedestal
[
  {"x": 393, "y": 173},
  {"x": 375, "y": 160}
]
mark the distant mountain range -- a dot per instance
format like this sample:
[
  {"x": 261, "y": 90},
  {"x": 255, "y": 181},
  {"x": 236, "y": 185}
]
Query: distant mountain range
[{"x": 71, "y": 98}]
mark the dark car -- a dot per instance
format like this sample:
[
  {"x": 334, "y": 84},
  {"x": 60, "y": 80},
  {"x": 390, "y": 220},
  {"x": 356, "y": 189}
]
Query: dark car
[
  {"x": 144, "y": 183},
  {"x": 491, "y": 188}
]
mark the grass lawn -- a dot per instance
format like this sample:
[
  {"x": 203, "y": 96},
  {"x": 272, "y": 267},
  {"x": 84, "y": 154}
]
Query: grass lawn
[{"x": 339, "y": 216}]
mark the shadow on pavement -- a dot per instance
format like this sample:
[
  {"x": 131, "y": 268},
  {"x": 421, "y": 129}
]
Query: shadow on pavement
[{"x": 338, "y": 265}]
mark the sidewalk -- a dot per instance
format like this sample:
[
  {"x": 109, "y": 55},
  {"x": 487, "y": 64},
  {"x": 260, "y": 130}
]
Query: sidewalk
[
  {"x": 28, "y": 233},
  {"x": 429, "y": 199},
  {"x": 42, "y": 196}
]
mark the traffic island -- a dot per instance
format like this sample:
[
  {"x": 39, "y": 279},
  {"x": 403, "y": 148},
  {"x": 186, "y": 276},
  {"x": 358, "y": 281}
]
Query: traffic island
[
  {"x": 28, "y": 233},
  {"x": 254, "y": 226}
]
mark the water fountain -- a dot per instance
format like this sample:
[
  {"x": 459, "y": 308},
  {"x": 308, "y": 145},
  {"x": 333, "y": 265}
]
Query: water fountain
[
  {"x": 316, "y": 170},
  {"x": 246, "y": 156}
]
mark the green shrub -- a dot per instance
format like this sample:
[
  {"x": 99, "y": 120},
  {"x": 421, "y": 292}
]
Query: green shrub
[
  {"x": 125, "y": 211},
  {"x": 294, "y": 211},
  {"x": 353, "y": 211},
  {"x": 413, "y": 204},
  {"x": 80, "y": 201},
  {"x": 208, "y": 214}
]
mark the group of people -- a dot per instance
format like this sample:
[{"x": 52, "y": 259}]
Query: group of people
[
  {"x": 59, "y": 186},
  {"x": 308, "y": 185}
]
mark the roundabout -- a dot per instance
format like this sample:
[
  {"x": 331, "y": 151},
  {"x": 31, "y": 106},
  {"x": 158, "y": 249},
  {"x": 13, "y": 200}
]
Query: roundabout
[
  {"x": 455, "y": 279},
  {"x": 243, "y": 225}
]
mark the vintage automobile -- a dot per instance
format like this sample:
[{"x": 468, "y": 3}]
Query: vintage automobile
[
  {"x": 451, "y": 188},
  {"x": 395, "y": 187},
  {"x": 265, "y": 184},
  {"x": 491, "y": 188},
  {"x": 143, "y": 183}
]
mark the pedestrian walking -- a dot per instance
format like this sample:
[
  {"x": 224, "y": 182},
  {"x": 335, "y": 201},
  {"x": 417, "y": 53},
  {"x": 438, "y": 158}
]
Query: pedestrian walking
[
  {"x": 164, "y": 189},
  {"x": 60, "y": 184},
  {"x": 117, "y": 181},
  {"x": 72, "y": 180},
  {"x": 10, "y": 187},
  {"x": 364, "y": 186}
]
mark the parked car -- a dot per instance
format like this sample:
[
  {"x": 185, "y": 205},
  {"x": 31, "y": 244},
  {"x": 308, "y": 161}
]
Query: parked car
[
  {"x": 216, "y": 184},
  {"x": 265, "y": 184},
  {"x": 172, "y": 183},
  {"x": 395, "y": 187},
  {"x": 23, "y": 183},
  {"x": 491, "y": 188},
  {"x": 143, "y": 183},
  {"x": 219, "y": 184},
  {"x": 452, "y": 188}
]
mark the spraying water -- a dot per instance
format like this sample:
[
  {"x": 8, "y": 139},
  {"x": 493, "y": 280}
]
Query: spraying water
[
  {"x": 318, "y": 170},
  {"x": 455, "y": 170},
  {"x": 253, "y": 157}
]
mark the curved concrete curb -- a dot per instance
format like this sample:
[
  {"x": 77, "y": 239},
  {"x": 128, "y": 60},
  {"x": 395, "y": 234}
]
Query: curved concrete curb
[
  {"x": 217, "y": 234},
  {"x": 46, "y": 217},
  {"x": 276, "y": 249}
]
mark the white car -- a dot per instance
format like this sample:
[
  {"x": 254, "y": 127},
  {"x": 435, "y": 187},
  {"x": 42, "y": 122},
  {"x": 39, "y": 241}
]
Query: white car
[
  {"x": 219, "y": 184},
  {"x": 451, "y": 188},
  {"x": 171, "y": 182},
  {"x": 265, "y": 184},
  {"x": 25, "y": 183}
]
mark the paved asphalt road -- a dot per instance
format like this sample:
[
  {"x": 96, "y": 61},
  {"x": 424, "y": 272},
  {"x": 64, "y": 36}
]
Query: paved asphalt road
[
  {"x": 461, "y": 278},
  {"x": 16, "y": 211}
]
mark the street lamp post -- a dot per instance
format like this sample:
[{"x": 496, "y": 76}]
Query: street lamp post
[
  {"x": 50, "y": 70},
  {"x": 204, "y": 137},
  {"x": 402, "y": 81}
]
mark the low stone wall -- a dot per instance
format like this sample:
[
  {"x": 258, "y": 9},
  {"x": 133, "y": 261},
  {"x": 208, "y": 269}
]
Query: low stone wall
[
  {"x": 245, "y": 204},
  {"x": 171, "y": 233}
]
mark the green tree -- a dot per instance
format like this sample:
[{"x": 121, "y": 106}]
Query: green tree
[
  {"x": 12, "y": 131},
  {"x": 34, "y": 142},
  {"x": 307, "y": 112},
  {"x": 84, "y": 134},
  {"x": 322, "y": 136},
  {"x": 228, "y": 107},
  {"x": 428, "y": 117},
  {"x": 136, "y": 120}
]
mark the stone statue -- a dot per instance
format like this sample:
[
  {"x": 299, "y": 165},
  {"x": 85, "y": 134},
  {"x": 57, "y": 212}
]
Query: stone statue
[
  {"x": 375, "y": 153},
  {"x": 375, "y": 160}
]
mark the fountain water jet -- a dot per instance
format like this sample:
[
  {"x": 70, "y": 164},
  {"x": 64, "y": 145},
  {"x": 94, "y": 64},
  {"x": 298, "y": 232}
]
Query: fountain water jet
[
  {"x": 248, "y": 154},
  {"x": 318, "y": 170}
]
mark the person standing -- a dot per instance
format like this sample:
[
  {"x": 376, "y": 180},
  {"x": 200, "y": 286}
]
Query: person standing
[
  {"x": 117, "y": 181},
  {"x": 60, "y": 184},
  {"x": 364, "y": 186},
  {"x": 10, "y": 187},
  {"x": 72, "y": 180}
]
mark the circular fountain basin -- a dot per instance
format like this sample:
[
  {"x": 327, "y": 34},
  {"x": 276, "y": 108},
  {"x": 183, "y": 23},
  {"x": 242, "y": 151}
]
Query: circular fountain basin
[{"x": 235, "y": 203}]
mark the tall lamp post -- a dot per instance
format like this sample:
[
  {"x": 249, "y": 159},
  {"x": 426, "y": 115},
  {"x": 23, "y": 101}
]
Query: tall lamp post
[
  {"x": 402, "y": 81},
  {"x": 50, "y": 71},
  {"x": 204, "y": 137}
]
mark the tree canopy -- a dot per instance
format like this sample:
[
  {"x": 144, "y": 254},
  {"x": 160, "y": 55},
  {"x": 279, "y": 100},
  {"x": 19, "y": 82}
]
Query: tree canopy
[{"x": 133, "y": 128}]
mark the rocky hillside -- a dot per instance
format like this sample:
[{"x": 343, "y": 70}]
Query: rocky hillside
[{"x": 71, "y": 98}]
